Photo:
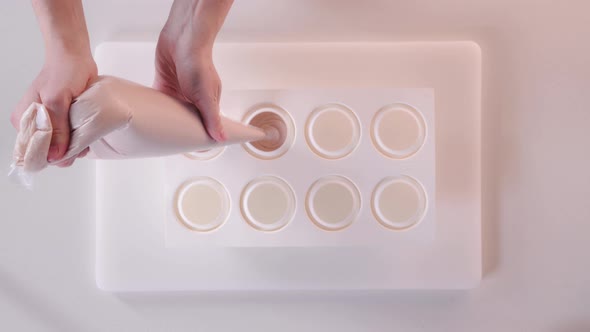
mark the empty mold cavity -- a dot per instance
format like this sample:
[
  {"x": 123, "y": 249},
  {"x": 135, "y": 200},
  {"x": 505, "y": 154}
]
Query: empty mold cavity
[
  {"x": 268, "y": 203},
  {"x": 332, "y": 131},
  {"x": 207, "y": 154},
  {"x": 333, "y": 202},
  {"x": 398, "y": 131},
  {"x": 202, "y": 204},
  {"x": 279, "y": 128},
  {"x": 399, "y": 203}
]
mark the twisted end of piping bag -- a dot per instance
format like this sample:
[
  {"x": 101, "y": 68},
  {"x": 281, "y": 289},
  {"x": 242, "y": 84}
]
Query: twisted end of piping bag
[{"x": 32, "y": 145}]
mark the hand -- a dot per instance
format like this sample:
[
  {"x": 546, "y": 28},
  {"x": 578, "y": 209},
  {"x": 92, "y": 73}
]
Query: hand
[
  {"x": 184, "y": 58},
  {"x": 64, "y": 76},
  {"x": 188, "y": 74}
]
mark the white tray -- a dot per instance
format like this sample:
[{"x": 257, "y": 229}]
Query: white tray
[{"x": 131, "y": 212}]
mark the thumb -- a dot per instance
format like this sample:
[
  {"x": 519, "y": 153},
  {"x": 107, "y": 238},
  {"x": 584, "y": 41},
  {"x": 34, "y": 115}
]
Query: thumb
[
  {"x": 58, "y": 107},
  {"x": 209, "y": 110}
]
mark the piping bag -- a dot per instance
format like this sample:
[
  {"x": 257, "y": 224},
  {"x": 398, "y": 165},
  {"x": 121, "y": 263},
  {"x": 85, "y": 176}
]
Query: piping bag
[{"x": 119, "y": 119}]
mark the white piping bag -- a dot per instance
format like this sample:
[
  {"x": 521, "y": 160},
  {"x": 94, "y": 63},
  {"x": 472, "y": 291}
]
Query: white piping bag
[{"x": 119, "y": 119}]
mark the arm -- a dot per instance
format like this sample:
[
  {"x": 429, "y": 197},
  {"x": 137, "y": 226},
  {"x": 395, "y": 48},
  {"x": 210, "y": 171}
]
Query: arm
[
  {"x": 209, "y": 16},
  {"x": 63, "y": 26},
  {"x": 67, "y": 70},
  {"x": 184, "y": 57}
]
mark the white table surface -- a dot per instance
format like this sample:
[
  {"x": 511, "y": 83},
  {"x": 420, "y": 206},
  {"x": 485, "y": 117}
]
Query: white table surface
[{"x": 536, "y": 210}]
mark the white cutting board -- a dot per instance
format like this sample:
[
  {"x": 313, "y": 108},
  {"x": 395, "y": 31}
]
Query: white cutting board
[{"x": 131, "y": 251}]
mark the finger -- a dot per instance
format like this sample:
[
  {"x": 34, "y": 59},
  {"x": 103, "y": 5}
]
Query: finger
[
  {"x": 70, "y": 161},
  {"x": 83, "y": 153},
  {"x": 167, "y": 88},
  {"x": 67, "y": 163},
  {"x": 210, "y": 113},
  {"x": 165, "y": 79},
  {"x": 58, "y": 106},
  {"x": 212, "y": 121},
  {"x": 31, "y": 96}
]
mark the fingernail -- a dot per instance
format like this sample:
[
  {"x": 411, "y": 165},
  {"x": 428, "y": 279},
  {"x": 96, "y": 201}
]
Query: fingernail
[{"x": 53, "y": 152}]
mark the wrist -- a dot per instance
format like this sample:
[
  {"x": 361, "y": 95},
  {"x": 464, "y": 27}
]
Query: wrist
[
  {"x": 60, "y": 46},
  {"x": 206, "y": 20}
]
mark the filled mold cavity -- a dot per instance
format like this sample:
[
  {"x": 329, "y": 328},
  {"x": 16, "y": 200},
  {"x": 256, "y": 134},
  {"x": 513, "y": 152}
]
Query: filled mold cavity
[
  {"x": 279, "y": 128},
  {"x": 398, "y": 131},
  {"x": 333, "y": 202},
  {"x": 268, "y": 203},
  {"x": 333, "y": 131},
  {"x": 202, "y": 204},
  {"x": 399, "y": 203}
]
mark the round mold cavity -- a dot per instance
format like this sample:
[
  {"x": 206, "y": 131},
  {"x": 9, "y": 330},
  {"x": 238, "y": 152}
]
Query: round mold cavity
[
  {"x": 398, "y": 131},
  {"x": 333, "y": 202},
  {"x": 206, "y": 154},
  {"x": 202, "y": 204},
  {"x": 399, "y": 203},
  {"x": 268, "y": 203},
  {"x": 278, "y": 125},
  {"x": 332, "y": 131}
]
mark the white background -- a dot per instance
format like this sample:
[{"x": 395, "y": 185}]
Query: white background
[{"x": 536, "y": 178}]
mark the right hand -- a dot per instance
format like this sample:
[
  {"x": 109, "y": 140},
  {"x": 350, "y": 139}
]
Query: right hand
[
  {"x": 186, "y": 72},
  {"x": 63, "y": 77}
]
